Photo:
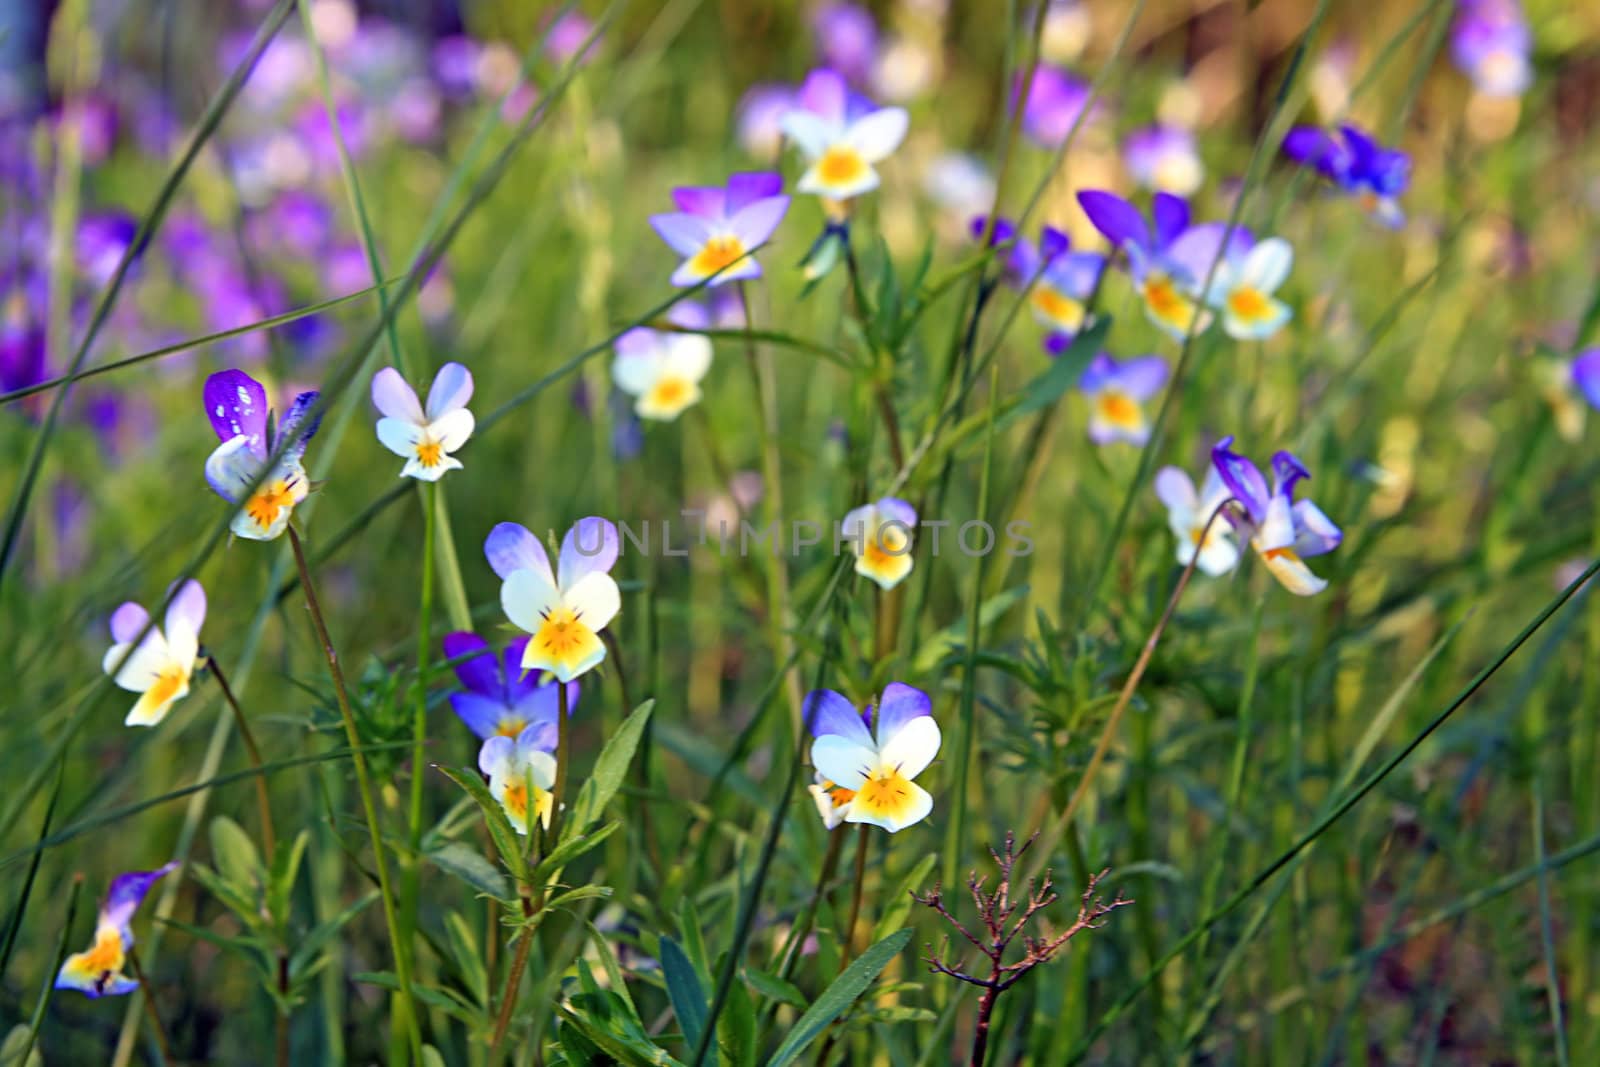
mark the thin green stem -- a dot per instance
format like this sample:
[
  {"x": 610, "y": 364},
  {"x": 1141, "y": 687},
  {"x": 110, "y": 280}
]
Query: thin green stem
[
  {"x": 269, "y": 838},
  {"x": 156, "y": 1026},
  {"x": 410, "y": 904},
  {"x": 863, "y": 846},
  {"x": 402, "y": 957}
]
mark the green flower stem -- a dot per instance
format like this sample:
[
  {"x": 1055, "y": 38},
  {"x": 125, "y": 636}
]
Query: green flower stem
[
  {"x": 410, "y": 898},
  {"x": 269, "y": 838}
]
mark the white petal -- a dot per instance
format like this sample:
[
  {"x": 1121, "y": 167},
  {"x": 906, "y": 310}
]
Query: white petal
[
  {"x": 917, "y": 808},
  {"x": 877, "y": 135},
  {"x": 842, "y": 761},
  {"x": 399, "y": 436},
  {"x": 1175, "y": 489},
  {"x": 1219, "y": 556},
  {"x": 913, "y": 748},
  {"x": 689, "y": 355},
  {"x": 812, "y": 182},
  {"x": 636, "y": 372},
  {"x": 452, "y": 429},
  {"x": 140, "y": 668},
  {"x": 1291, "y": 571},
  {"x": 596, "y": 599},
  {"x": 810, "y": 133},
  {"x": 527, "y": 596},
  {"x": 1268, "y": 264},
  {"x": 393, "y": 396},
  {"x": 452, "y": 388}
]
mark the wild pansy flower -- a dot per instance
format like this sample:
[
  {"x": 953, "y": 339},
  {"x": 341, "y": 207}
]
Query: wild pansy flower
[
  {"x": 841, "y": 134},
  {"x": 98, "y": 971},
  {"x": 1168, "y": 258},
  {"x": 499, "y": 698},
  {"x": 160, "y": 667},
  {"x": 237, "y": 407},
  {"x": 566, "y": 610},
  {"x": 1165, "y": 159},
  {"x": 881, "y": 537},
  {"x": 425, "y": 439},
  {"x": 1490, "y": 42},
  {"x": 1189, "y": 512},
  {"x": 516, "y": 767},
  {"x": 1283, "y": 531},
  {"x": 1242, "y": 288},
  {"x": 1055, "y": 100},
  {"x": 1357, "y": 164},
  {"x": 1586, "y": 373},
  {"x": 1117, "y": 391},
  {"x": 870, "y": 779},
  {"x": 1062, "y": 280},
  {"x": 716, "y": 229},
  {"x": 662, "y": 369}
]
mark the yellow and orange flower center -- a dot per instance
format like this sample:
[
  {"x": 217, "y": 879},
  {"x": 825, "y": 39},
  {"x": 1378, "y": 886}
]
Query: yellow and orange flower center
[
  {"x": 1285, "y": 553},
  {"x": 1119, "y": 409},
  {"x": 1164, "y": 298},
  {"x": 888, "y": 547},
  {"x": 167, "y": 684},
  {"x": 1249, "y": 303},
  {"x": 429, "y": 452},
  {"x": 510, "y": 726},
  {"x": 1057, "y": 307},
  {"x": 717, "y": 253},
  {"x": 671, "y": 393},
  {"x": 887, "y": 790},
  {"x": 838, "y": 794},
  {"x": 515, "y": 801},
  {"x": 106, "y": 954},
  {"x": 270, "y": 501},
  {"x": 841, "y": 165},
  {"x": 563, "y": 634}
]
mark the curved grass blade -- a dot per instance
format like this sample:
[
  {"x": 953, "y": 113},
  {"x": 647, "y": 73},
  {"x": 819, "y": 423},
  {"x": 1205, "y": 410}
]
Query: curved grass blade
[{"x": 839, "y": 996}]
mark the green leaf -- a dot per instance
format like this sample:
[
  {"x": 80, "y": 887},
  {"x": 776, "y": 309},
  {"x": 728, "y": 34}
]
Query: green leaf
[
  {"x": 774, "y": 988},
  {"x": 839, "y": 996},
  {"x": 468, "y": 956},
  {"x": 899, "y": 906},
  {"x": 235, "y": 855},
  {"x": 500, "y": 830},
  {"x": 614, "y": 975},
  {"x": 609, "y": 771},
  {"x": 230, "y": 896},
  {"x": 310, "y": 947},
  {"x": 469, "y": 865},
  {"x": 694, "y": 941},
  {"x": 684, "y": 990},
  {"x": 285, "y": 868},
  {"x": 19, "y": 1038},
  {"x": 570, "y": 849},
  {"x": 1063, "y": 374},
  {"x": 573, "y": 896},
  {"x": 736, "y": 1029},
  {"x": 941, "y": 644}
]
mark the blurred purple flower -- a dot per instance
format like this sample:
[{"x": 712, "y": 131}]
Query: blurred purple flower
[
  {"x": 1117, "y": 391},
  {"x": 1357, "y": 164},
  {"x": 497, "y": 697},
  {"x": 846, "y": 39},
  {"x": 1586, "y": 375},
  {"x": 1054, "y": 102},
  {"x": 1164, "y": 159},
  {"x": 1491, "y": 43},
  {"x": 759, "y": 118},
  {"x": 717, "y": 227},
  {"x": 567, "y": 35}
]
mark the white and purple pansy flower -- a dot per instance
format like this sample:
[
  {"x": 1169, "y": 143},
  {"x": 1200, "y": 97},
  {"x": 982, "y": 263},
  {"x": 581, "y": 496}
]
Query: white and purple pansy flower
[
  {"x": 1491, "y": 43},
  {"x": 1062, "y": 281},
  {"x": 522, "y": 773},
  {"x": 237, "y": 471},
  {"x": 1283, "y": 531},
  {"x": 566, "y": 610},
  {"x": 1164, "y": 159},
  {"x": 160, "y": 666},
  {"x": 498, "y": 698},
  {"x": 716, "y": 229},
  {"x": 424, "y": 437},
  {"x": 97, "y": 972},
  {"x": 1243, "y": 286},
  {"x": 881, "y": 536},
  {"x": 1189, "y": 516},
  {"x": 842, "y": 135},
  {"x": 662, "y": 369},
  {"x": 867, "y": 778},
  {"x": 1117, "y": 391}
]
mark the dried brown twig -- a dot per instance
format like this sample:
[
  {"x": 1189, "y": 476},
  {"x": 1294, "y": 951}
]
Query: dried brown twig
[{"x": 1004, "y": 920}]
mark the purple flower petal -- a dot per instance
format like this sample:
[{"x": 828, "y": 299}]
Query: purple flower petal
[
  {"x": 590, "y": 546},
  {"x": 481, "y": 673},
  {"x": 1586, "y": 374},
  {"x": 746, "y": 187},
  {"x": 1052, "y": 243},
  {"x": 900, "y": 704},
  {"x": 685, "y": 234},
  {"x": 510, "y": 548},
  {"x": 754, "y": 224},
  {"x": 187, "y": 609},
  {"x": 1142, "y": 378},
  {"x": 1287, "y": 470},
  {"x": 298, "y": 426},
  {"x": 395, "y": 398},
  {"x": 825, "y": 95},
  {"x": 481, "y": 714},
  {"x": 236, "y": 404},
  {"x": 128, "y": 622},
  {"x": 1242, "y": 478},
  {"x": 127, "y": 892},
  {"x": 827, "y": 712},
  {"x": 1118, "y": 220},
  {"x": 702, "y": 201},
  {"x": 452, "y": 388},
  {"x": 1171, "y": 216}
]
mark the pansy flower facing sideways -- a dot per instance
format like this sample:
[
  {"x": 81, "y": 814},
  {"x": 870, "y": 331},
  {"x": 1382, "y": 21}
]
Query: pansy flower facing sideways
[
  {"x": 424, "y": 437},
  {"x": 865, "y": 778},
  {"x": 1281, "y": 530},
  {"x": 842, "y": 135},
  {"x": 237, "y": 406},
  {"x": 566, "y": 610},
  {"x": 880, "y": 535},
  {"x": 1117, "y": 391},
  {"x": 159, "y": 668},
  {"x": 498, "y": 698},
  {"x": 1168, "y": 258},
  {"x": 1062, "y": 280},
  {"x": 1357, "y": 164},
  {"x": 522, "y": 773},
  {"x": 1242, "y": 290},
  {"x": 1188, "y": 515},
  {"x": 717, "y": 229},
  {"x": 98, "y": 971},
  {"x": 662, "y": 369}
]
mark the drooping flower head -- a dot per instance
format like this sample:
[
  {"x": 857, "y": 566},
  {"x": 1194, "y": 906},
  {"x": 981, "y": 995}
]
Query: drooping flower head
[
  {"x": 1189, "y": 512},
  {"x": 842, "y": 135},
  {"x": 160, "y": 666},
  {"x": 1062, "y": 280},
  {"x": 1055, "y": 100},
  {"x": 1168, "y": 258},
  {"x": 867, "y": 778},
  {"x": 1164, "y": 159},
  {"x": 662, "y": 369},
  {"x": 499, "y": 698},
  {"x": 1117, "y": 391},
  {"x": 522, "y": 772},
  {"x": 425, "y": 438},
  {"x": 564, "y": 611},
  {"x": 1356, "y": 164},
  {"x": 1283, "y": 531},
  {"x": 97, "y": 972},
  {"x": 1491, "y": 44},
  {"x": 237, "y": 407},
  {"x": 717, "y": 229},
  {"x": 1242, "y": 290},
  {"x": 880, "y": 535}
]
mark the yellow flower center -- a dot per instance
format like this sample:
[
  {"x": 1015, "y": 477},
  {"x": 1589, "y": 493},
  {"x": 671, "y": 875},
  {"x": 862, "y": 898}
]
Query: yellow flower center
[
  {"x": 841, "y": 165},
  {"x": 838, "y": 794},
  {"x": 511, "y": 726},
  {"x": 1163, "y": 297},
  {"x": 1059, "y": 308},
  {"x": 886, "y": 548},
  {"x": 1248, "y": 303},
  {"x": 669, "y": 396},
  {"x": 717, "y": 253},
  {"x": 887, "y": 793},
  {"x": 1285, "y": 553},
  {"x": 429, "y": 453},
  {"x": 515, "y": 801},
  {"x": 563, "y": 634},
  {"x": 269, "y": 501},
  {"x": 106, "y": 955},
  {"x": 166, "y": 685},
  {"x": 1119, "y": 409}
]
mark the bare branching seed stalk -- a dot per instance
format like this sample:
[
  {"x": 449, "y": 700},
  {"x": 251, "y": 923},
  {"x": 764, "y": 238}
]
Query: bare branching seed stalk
[{"x": 1005, "y": 919}]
